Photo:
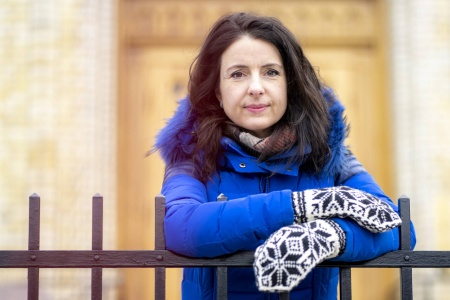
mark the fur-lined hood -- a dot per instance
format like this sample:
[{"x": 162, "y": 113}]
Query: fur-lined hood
[{"x": 175, "y": 141}]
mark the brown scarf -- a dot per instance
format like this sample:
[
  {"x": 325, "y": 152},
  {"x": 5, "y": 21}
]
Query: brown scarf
[{"x": 285, "y": 141}]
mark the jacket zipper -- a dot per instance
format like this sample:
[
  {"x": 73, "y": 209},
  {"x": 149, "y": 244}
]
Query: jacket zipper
[{"x": 264, "y": 184}]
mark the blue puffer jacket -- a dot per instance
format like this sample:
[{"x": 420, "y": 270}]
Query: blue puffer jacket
[{"x": 258, "y": 203}]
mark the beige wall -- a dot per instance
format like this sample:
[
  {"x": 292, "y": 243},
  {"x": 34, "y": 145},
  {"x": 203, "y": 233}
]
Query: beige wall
[
  {"x": 57, "y": 133},
  {"x": 420, "y": 90}
]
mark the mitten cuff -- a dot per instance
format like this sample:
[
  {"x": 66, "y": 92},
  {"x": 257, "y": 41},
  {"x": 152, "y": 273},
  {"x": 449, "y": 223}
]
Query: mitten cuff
[
  {"x": 340, "y": 238},
  {"x": 298, "y": 204}
]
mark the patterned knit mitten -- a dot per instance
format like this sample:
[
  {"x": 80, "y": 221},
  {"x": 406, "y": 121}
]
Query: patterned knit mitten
[
  {"x": 290, "y": 253},
  {"x": 342, "y": 201}
]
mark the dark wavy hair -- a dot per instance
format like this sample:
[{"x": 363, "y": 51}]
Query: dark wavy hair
[{"x": 307, "y": 110}]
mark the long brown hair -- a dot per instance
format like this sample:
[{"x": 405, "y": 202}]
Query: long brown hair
[{"x": 307, "y": 110}]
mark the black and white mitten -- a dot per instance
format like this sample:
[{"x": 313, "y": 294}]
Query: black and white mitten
[
  {"x": 290, "y": 253},
  {"x": 342, "y": 201}
]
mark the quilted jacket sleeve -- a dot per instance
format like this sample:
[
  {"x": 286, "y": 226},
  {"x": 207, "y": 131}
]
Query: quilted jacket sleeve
[
  {"x": 362, "y": 244},
  {"x": 198, "y": 228}
]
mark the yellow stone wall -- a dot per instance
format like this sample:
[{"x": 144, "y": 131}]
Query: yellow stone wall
[
  {"x": 420, "y": 56},
  {"x": 57, "y": 133}
]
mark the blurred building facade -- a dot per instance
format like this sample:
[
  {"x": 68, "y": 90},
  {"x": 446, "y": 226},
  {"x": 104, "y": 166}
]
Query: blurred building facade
[
  {"x": 80, "y": 86},
  {"x": 420, "y": 97},
  {"x": 57, "y": 133}
]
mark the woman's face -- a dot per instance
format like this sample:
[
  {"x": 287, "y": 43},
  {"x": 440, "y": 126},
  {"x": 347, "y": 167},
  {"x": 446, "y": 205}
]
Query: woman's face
[{"x": 253, "y": 85}]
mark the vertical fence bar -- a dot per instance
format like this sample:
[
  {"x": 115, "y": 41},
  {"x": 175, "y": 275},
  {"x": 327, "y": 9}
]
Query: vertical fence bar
[
  {"x": 97, "y": 244},
  {"x": 160, "y": 244},
  {"x": 222, "y": 272},
  {"x": 222, "y": 283},
  {"x": 284, "y": 296},
  {"x": 405, "y": 244},
  {"x": 33, "y": 244},
  {"x": 345, "y": 283}
]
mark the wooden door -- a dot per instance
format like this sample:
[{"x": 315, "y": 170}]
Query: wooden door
[
  {"x": 157, "y": 42},
  {"x": 156, "y": 79}
]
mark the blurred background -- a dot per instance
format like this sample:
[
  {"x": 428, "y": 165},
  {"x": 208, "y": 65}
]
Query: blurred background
[{"x": 86, "y": 85}]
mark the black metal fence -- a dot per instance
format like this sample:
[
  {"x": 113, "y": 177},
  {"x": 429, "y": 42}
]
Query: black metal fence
[{"x": 96, "y": 259}]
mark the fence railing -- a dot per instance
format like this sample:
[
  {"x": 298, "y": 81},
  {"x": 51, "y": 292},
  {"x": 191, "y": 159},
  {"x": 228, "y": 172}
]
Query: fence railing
[{"x": 96, "y": 259}]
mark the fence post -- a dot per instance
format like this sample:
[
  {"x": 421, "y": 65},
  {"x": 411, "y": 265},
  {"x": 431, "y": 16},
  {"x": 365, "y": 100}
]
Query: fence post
[
  {"x": 97, "y": 244},
  {"x": 160, "y": 244},
  {"x": 33, "y": 244},
  {"x": 222, "y": 272},
  {"x": 405, "y": 244},
  {"x": 345, "y": 283},
  {"x": 284, "y": 296}
]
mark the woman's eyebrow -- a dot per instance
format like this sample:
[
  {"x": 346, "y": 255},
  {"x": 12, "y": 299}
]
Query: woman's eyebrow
[
  {"x": 237, "y": 66},
  {"x": 241, "y": 66},
  {"x": 273, "y": 65}
]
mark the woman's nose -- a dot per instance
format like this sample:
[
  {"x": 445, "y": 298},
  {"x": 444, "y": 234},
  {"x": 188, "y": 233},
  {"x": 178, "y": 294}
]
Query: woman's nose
[{"x": 255, "y": 87}]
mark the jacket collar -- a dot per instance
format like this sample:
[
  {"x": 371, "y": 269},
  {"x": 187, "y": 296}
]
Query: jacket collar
[{"x": 243, "y": 162}]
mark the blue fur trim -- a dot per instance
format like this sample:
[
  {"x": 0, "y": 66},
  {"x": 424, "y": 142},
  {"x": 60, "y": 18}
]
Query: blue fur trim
[
  {"x": 175, "y": 141},
  {"x": 338, "y": 133}
]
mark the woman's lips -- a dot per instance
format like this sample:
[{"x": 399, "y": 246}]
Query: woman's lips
[{"x": 256, "y": 108}]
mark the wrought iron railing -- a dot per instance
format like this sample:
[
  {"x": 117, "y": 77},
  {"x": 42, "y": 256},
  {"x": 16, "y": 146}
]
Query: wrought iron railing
[{"x": 97, "y": 259}]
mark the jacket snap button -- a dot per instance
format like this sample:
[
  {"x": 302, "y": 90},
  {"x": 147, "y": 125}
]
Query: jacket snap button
[{"x": 242, "y": 165}]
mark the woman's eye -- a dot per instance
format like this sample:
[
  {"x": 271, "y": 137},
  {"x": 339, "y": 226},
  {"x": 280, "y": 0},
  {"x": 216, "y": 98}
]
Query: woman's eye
[
  {"x": 237, "y": 74},
  {"x": 272, "y": 72}
]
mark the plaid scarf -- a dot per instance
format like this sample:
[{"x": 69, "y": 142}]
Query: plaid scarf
[{"x": 259, "y": 145}]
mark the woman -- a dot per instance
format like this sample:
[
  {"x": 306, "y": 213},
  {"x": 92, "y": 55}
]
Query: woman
[{"x": 260, "y": 128}]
